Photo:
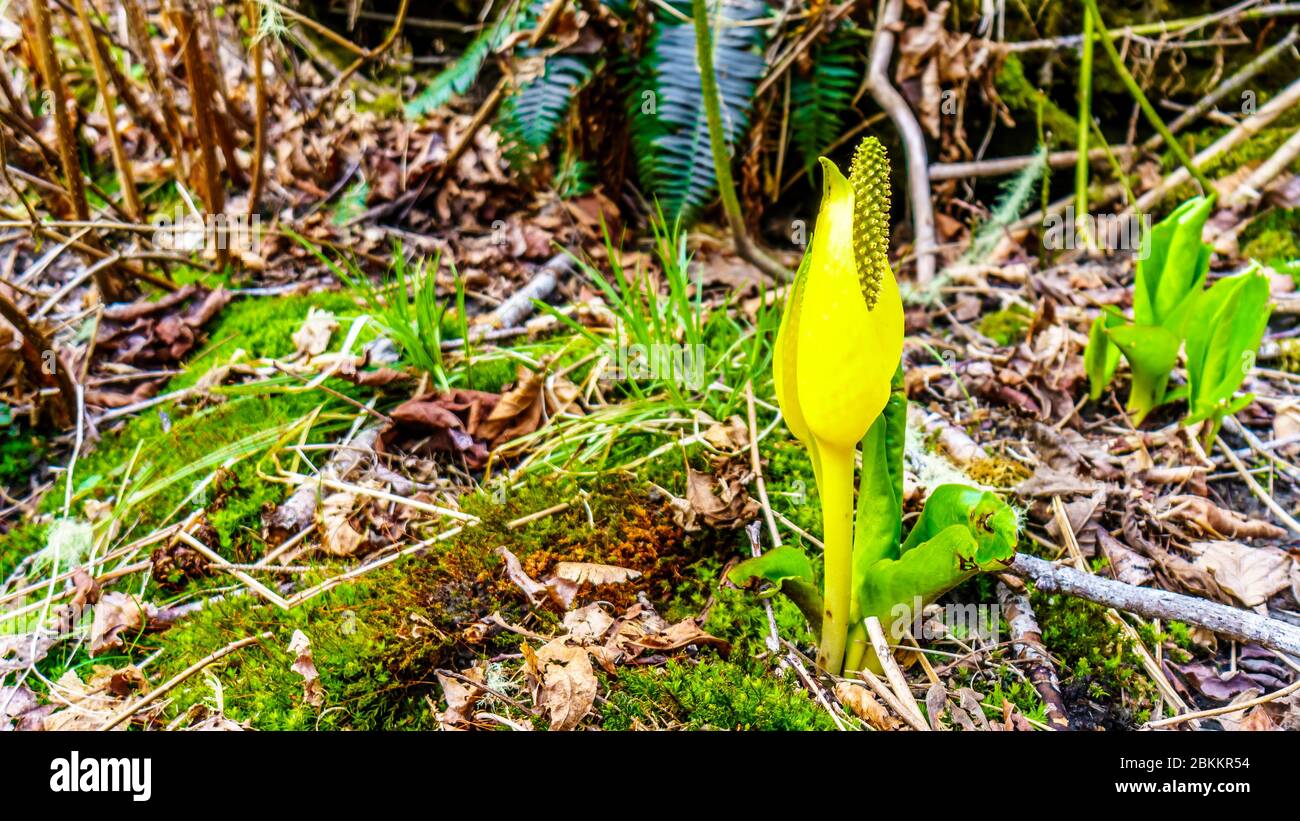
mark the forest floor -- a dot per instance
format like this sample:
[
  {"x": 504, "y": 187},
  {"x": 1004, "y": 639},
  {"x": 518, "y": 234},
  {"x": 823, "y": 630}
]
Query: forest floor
[{"x": 270, "y": 507}]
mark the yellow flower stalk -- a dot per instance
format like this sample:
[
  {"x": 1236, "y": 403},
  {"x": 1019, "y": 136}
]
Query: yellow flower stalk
[{"x": 840, "y": 341}]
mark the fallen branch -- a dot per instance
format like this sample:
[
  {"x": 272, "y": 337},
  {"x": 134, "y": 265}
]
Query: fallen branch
[
  {"x": 889, "y": 99},
  {"x": 1027, "y": 641},
  {"x": 171, "y": 684},
  {"x": 1241, "y": 625},
  {"x": 1247, "y": 129}
]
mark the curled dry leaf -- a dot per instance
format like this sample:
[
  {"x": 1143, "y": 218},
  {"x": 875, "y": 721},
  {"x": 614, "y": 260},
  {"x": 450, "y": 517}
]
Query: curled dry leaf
[
  {"x": 116, "y": 614},
  {"x": 89, "y": 704},
  {"x": 312, "y": 691},
  {"x": 565, "y": 683},
  {"x": 558, "y": 590},
  {"x": 461, "y": 696},
  {"x": 339, "y": 537},
  {"x": 1218, "y": 523},
  {"x": 716, "y": 500},
  {"x": 313, "y": 338},
  {"x": 594, "y": 574},
  {"x": 589, "y": 624},
  {"x": 865, "y": 706}
]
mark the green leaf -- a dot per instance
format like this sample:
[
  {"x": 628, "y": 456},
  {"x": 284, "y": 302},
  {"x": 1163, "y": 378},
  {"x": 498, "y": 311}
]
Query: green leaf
[
  {"x": 1224, "y": 332},
  {"x": 788, "y": 570},
  {"x": 1172, "y": 266},
  {"x": 1101, "y": 357},
  {"x": 1151, "y": 352},
  {"x": 459, "y": 77},
  {"x": 820, "y": 98}
]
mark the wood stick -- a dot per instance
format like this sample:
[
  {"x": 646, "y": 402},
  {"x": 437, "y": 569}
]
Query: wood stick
[
  {"x": 1231, "y": 622},
  {"x": 889, "y": 99},
  {"x": 1246, "y": 130},
  {"x": 1027, "y": 641},
  {"x": 252, "y": 583},
  {"x": 895, "y": 676},
  {"x": 171, "y": 684}
]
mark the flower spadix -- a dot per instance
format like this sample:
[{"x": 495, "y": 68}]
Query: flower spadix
[
  {"x": 840, "y": 341},
  {"x": 841, "y": 335}
]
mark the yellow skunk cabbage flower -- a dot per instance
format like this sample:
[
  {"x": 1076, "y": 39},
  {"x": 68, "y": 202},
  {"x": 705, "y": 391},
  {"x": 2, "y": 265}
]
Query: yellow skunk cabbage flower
[{"x": 841, "y": 338}]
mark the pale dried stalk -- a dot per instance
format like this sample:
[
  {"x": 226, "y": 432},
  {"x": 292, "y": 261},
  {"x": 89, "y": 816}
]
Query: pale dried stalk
[{"x": 130, "y": 198}]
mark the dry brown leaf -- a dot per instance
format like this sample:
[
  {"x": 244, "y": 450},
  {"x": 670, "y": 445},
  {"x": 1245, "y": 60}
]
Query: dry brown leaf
[
  {"x": 88, "y": 704},
  {"x": 312, "y": 691},
  {"x": 338, "y": 536},
  {"x": 115, "y": 614},
  {"x": 718, "y": 501},
  {"x": 682, "y": 634},
  {"x": 864, "y": 705},
  {"x": 1286, "y": 424},
  {"x": 595, "y": 574},
  {"x": 1219, "y": 523},
  {"x": 587, "y": 624},
  {"x": 731, "y": 436},
  {"x": 313, "y": 338},
  {"x": 565, "y": 683},
  {"x": 1250, "y": 574},
  {"x": 1127, "y": 565},
  {"x": 461, "y": 696}
]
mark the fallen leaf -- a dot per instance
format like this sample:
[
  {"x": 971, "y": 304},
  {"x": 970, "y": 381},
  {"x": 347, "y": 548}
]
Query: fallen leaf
[
  {"x": 1250, "y": 574},
  {"x": 115, "y": 614},
  {"x": 682, "y": 634},
  {"x": 1127, "y": 565},
  {"x": 594, "y": 574},
  {"x": 460, "y": 696},
  {"x": 864, "y": 705},
  {"x": 565, "y": 683},
  {"x": 1218, "y": 523},
  {"x": 313, "y": 338},
  {"x": 588, "y": 624},
  {"x": 717, "y": 500},
  {"x": 339, "y": 537},
  {"x": 313, "y": 693}
]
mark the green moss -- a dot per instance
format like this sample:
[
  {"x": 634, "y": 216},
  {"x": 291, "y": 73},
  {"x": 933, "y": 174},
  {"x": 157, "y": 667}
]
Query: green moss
[
  {"x": 262, "y": 327},
  {"x": 20, "y": 542},
  {"x": 708, "y": 695},
  {"x": 1023, "y": 96},
  {"x": 1289, "y": 355},
  {"x": 1008, "y": 326},
  {"x": 21, "y": 449},
  {"x": 791, "y": 485},
  {"x": 997, "y": 471},
  {"x": 170, "y": 464},
  {"x": 1272, "y": 239},
  {"x": 1094, "y": 654},
  {"x": 257, "y": 683}
]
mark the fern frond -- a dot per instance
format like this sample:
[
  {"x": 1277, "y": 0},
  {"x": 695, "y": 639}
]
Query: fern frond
[
  {"x": 820, "y": 100},
  {"x": 532, "y": 113},
  {"x": 672, "y": 139},
  {"x": 1016, "y": 194},
  {"x": 459, "y": 77}
]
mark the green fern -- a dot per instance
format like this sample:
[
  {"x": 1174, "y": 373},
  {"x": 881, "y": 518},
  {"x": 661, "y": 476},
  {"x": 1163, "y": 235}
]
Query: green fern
[
  {"x": 820, "y": 100},
  {"x": 670, "y": 136},
  {"x": 532, "y": 113},
  {"x": 1016, "y": 194},
  {"x": 459, "y": 77}
]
